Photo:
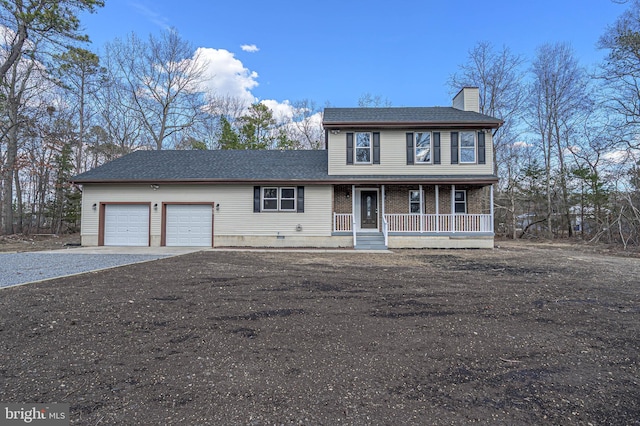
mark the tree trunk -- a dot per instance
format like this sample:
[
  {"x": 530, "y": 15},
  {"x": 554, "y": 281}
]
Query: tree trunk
[{"x": 19, "y": 203}]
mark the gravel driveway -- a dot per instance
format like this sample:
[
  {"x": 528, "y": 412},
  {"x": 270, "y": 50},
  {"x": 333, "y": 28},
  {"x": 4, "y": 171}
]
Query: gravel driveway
[{"x": 22, "y": 268}]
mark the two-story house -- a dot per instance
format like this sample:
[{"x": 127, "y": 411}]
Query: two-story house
[{"x": 389, "y": 177}]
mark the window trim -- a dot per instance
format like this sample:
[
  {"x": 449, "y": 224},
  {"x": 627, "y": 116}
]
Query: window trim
[
  {"x": 474, "y": 148},
  {"x": 463, "y": 202},
  {"x": 356, "y": 147},
  {"x": 415, "y": 147}
]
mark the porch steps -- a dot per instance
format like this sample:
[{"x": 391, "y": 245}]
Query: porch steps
[{"x": 370, "y": 241}]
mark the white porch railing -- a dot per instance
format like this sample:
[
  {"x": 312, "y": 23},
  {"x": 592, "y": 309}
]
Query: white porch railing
[
  {"x": 342, "y": 222},
  {"x": 470, "y": 223},
  {"x": 439, "y": 223}
]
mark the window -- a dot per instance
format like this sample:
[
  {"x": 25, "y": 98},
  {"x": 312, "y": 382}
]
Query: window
[
  {"x": 415, "y": 202},
  {"x": 467, "y": 147},
  {"x": 460, "y": 202},
  {"x": 287, "y": 199},
  {"x": 278, "y": 199},
  {"x": 363, "y": 147},
  {"x": 423, "y": 147}
]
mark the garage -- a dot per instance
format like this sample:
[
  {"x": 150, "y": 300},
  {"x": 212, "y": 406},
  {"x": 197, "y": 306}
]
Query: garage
[
  {"x": 189, "y": 225},
  {"x": 126, "y": 225}
]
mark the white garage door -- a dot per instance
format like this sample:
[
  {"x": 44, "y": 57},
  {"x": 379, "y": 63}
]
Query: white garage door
[
  {"x": 126, "y": 225},
  {"x": 189, "y": 225}
]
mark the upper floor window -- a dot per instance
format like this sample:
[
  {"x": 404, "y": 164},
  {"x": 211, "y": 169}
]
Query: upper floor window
[
  {"x": 363, "y": 147},
  {"x": 423, "y": 147},
  {"x": 467, "y": 147}
]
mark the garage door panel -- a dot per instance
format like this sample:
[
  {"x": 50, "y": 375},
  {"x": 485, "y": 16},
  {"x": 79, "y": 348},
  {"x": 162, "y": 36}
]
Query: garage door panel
[
  {"x": 126, "y": 225},
  {"x": 189, "y": 225}
]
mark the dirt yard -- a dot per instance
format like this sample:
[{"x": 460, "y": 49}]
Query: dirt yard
[
  {"x": 22, "y": 243},
  {"x": 523, "y": 334}
]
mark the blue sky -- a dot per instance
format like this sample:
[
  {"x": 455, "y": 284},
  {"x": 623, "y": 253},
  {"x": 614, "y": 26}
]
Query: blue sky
[{"x": 334, "y": 51}]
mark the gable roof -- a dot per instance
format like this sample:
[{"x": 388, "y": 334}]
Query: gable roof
[
  {"x": 406, "y": 117},
  {"x": 243, "y": 166}
]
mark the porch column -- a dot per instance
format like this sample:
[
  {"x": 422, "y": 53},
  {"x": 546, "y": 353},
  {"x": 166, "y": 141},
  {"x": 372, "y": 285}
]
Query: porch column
[
  {"x": 382, "y": 203},
  {"x": 437, "y": 208},
  {"x": 421, "y": 209},
  {"x": 353, "y": 215},
  {"x": 353, "y": 207},
  {"x": 491, "y": 205},
  {"x": 453, "y": 208}
]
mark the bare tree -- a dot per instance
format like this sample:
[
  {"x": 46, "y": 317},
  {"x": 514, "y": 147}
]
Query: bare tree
[
  {"x": 367, "y": 100},
  {"x": 498, "y": 76},
  {"x": 23, "y": 82},
  {"x": 620, "y": 72},
  {"x": 163, "y": 76},
  {"x": 558, "y": 99},
  {"x": 80, "y": 74}
]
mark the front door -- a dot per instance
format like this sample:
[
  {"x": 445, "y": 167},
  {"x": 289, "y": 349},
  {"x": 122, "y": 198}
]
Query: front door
[{"x": 369, "y": 210}]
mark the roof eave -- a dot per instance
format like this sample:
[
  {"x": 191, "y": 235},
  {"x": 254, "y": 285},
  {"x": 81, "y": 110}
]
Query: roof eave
[
  {"x": 434, "y": 180},
  {"x": 410, "y": 125}
]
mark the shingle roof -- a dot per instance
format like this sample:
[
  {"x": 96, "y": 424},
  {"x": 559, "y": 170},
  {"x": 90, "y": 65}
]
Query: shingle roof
[
  {"x": 196, "y": 165},
  {"x": 241, "y": 166},
  {"x": 405, "y": 115}
]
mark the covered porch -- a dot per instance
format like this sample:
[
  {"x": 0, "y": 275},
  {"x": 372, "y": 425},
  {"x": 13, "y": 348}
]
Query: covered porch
[{"x": 398, "y": 212}]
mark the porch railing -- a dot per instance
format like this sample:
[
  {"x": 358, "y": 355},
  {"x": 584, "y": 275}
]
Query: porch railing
[
  {"x": 342, "y": 222},
  {"x": 440, "y": 223},
  {"x": 434, "y": 223}
]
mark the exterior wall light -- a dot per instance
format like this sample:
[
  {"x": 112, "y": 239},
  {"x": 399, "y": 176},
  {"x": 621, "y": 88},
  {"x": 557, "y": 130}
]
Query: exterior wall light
[
  {"x": 218, "y": 207},
  {"x": 94, "y": 206}
]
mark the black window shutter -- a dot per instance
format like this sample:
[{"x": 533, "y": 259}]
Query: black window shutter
[
  {"x": 482, "y": 155},
  {"x": 300, "y": 203},
  {"x": 436, "y": 147},
  {"x": 409, "y": 148},
  {"x": 454, "y": 147},
  {"x": 256, "y": 199},
  {"x": 349, "y": 148},
  {"x": 376, "y": 148}
]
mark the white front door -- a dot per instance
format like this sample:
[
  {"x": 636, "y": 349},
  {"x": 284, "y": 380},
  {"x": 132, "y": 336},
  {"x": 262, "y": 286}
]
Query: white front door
[
  {"x": 189, "y": 225},
  {"x": 126, "y": 225}
]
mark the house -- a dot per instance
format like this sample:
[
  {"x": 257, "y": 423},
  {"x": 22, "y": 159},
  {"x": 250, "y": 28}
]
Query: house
[{"x": 389, "y": 177}]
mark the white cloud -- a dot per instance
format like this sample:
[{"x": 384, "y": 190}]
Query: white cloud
[
  {"x": 251, "y": 48},
  {"x": 617, "y": 156},
  {"x": 282, "y": 111},
  {"x": 226, "y": 75},
  {"x": 521, "y": 144}
]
